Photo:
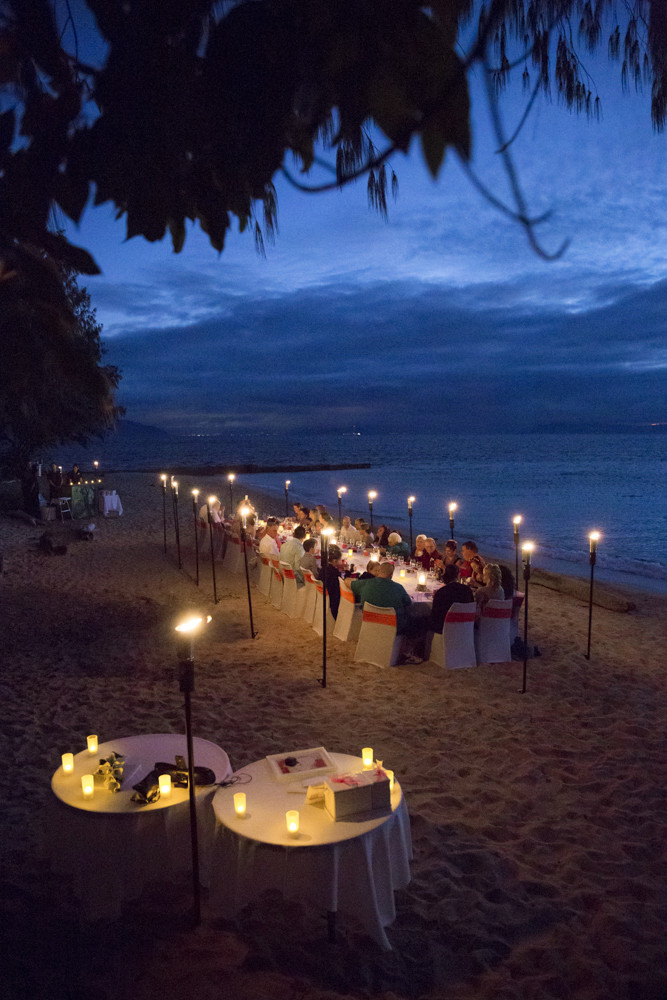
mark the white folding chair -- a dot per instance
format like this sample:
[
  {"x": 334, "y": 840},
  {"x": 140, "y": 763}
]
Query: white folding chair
[
  {"x": 517, "y": 601},
  {"x": 311, "y": 596},
  {"x": 454, "y": 647},
  {"x": 348, "y": 622},
  {"x": 492, "y": 635},
  {"x": 378, "y": 642},
  {"x": 317, "y": 614},
  {"x": 276, "y": 593},
  {"x": 293, "y": 596},
  {"x": 265, "y": 574}
]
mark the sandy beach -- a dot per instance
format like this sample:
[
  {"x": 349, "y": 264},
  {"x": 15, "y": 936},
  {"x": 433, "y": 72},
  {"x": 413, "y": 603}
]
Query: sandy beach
[{"x": 537, "y": 819}]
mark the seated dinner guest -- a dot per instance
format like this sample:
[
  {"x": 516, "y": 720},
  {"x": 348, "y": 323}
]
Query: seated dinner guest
[
  {"x": 382, "y": 536},
  {"x": 418, "y": 550},
  {"x": 308, "y": 560},
  {"x": 450, "y": 557},
  {"x": 334, "y": 564},
  {"x": 384, "y": 593},
  {"x": 268, "y": 545},
  {"x": 347, "y": 534},
  {"x": 491, "y": 589},
  {"x": 452, "y": 593},
  {"x": 397, "y": 548},
  {"x": 292, "y": 552},
  {"x": 371, "y": 570},
  {"x": 429, "y": 555},
  {"x": 472, "y": 565},
  {"x": 365, "y": 534}
]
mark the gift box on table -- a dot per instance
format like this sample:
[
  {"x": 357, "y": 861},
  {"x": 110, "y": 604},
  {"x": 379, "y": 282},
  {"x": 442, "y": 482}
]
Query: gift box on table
[{"x": 347, "y": 795}]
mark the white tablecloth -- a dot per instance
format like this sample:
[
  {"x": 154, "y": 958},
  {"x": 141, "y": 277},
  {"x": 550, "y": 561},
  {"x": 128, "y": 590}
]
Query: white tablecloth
[
  {"x": 351, "y": 866},
  {"x": 108, "y": 502},
  {"x": 110, "y": 847}
]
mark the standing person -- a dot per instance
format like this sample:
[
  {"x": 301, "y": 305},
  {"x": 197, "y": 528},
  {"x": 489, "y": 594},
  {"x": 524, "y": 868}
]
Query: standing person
[
  {"x": 30, "y": 490},
  {"x": 74, "y": 476},
  {"x": 334, "y": 564},
  {"x": 54, "y": 478}
]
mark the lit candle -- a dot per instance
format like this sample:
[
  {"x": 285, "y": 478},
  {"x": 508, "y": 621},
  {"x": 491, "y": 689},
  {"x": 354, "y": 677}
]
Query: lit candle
[
  {"x": 341, "y": 490},
  {"x": 174, "y": 486},
  {"x": 96, "y": 464},
  {"x": 594, "y": 538},
  {"x": 421, "y": 579},
  {"x": 372, "y": 495},
  {"x": 240, "y": 804},
  {"x": 287, "y": 483},
  {"x": 402, "y": 572},
  {"x": 164, "y": 781},
  {"x": 292, "y": 822},
  {"x": 411, "y": 500},
  {"x": 452, "y": 508},
  {"x": 68, "y": 762},
  {"x": 367, "y": 757},
  {"x": 92, "y": 744},
  {"x": 87, "y": 786}
]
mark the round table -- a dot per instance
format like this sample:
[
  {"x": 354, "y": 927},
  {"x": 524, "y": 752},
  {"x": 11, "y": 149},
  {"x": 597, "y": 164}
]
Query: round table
[
  {"x": 109, "y": 847},
  {"x": 353, "y": 866}
]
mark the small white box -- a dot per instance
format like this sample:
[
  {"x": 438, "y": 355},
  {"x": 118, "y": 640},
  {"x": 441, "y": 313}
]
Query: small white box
[{"x": 347, "y": 795}]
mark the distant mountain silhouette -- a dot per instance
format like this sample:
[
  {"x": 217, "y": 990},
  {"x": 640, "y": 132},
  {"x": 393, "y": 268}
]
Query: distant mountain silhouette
[{"x": 131, "y": 428}]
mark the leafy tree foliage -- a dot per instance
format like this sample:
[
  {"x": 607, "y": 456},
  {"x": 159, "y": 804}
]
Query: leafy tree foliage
[
  {"x": 53, "y": 386},
  {"x": 199, "y": 104}
]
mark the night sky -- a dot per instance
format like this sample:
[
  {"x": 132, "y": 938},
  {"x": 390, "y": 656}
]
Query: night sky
[{"x": 443, "y": 308}]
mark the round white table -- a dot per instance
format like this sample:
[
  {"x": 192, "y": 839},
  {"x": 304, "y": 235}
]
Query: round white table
[
  {"x": 109, "y": 847},
  {"x": 351, "y": 866}
]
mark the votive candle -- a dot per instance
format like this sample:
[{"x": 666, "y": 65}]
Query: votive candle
[
  {"x": 164, "y": 781},
  {"x": 92, "y": 744},
  {"x": 367, "y": 757},
  {"x": 68, "y": 762},
  {"x": 421, "y": 579},
  {"x": 87, "y": 786},
  {"x": 239, "y": 803},
  {"x": 292, "y": 822}
]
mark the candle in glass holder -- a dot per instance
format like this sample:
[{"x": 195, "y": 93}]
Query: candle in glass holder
[
  {"x": 239, "y": 803},
  {"x": 401, "y": 572},
  {"x": 292, "y": 822},
  {"x": 164, "y": 781},
  {"x": 87, "y": 786},
  {"x": 367, "y": 757},
  {"x": 68, "y": 762},
  {"x": 92, "y": 744}
]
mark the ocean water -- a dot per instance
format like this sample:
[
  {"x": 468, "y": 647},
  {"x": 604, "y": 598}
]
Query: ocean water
[{"x": 563, "y": 485}]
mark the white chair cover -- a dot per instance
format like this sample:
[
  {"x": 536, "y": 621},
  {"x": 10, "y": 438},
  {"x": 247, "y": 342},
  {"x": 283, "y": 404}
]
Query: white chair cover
[
  {"x": 311, "y": 597},
  {"x": 455, "y": 646},
  {"x": 276, "y": 595},
  {"x": 492, "y": 636},
  {"x": 348, "y": 622},
  {"x": 317, "y": 614},
  {"x": 293, "y": 596},
  {"x": 265, "y": 574},
  {"x": 378, "y": 642}
]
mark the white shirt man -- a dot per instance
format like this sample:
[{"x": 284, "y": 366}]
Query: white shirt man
[
  {"x": 348, "y": 535},
  {"x": 268, "y": 545},
  {"x": 292, "y": 552}
]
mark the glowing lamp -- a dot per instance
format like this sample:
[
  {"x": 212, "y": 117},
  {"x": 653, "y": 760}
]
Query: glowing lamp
[
  {"x": 87, "y": 786},
  {"x": 594, "y": 538},
  {"x": 372, "y": 495},
  {"x": 240, "y": 804},
  {"x": 292, "y": 822},
  {"x": 341, "y": 490},
  {"x": 68, "y": 762},
  {"x": 367, "y": 758},
  {"x": 517, "y": 520},
  {"x": 231, "y": 477},
  {"x": 164, "y": 781},
  {"x": 92, "y": 744},
  {"x": 411, "y": 500},
  {"x": 452, "y": 508},
  {"x": 527, "y": 549}
]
